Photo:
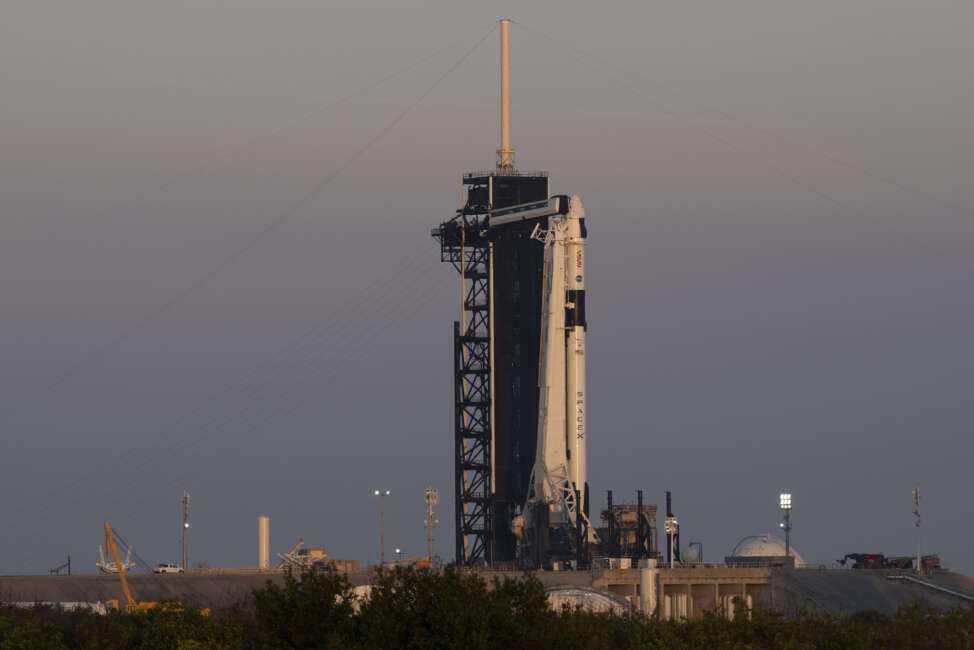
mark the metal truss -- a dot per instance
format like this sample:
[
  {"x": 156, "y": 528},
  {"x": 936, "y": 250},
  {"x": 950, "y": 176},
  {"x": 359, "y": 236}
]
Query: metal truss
[{"x": 464, "y": 245}]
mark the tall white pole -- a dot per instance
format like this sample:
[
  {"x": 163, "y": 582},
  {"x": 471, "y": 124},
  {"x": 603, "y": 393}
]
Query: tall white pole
[
  {"x": 264, "y": 543},
  {"x": 505, "y": 155}
]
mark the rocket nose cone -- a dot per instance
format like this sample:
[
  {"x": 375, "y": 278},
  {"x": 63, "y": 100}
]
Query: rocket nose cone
[{"x": 575, "y": 208}]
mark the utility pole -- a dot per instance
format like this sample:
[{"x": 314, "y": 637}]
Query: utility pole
[
  {"x": 432, "y": 498},
  {"x": 185, "y": 524},
  {"x": 382, "y": 494},
  {"x": 916, "y": 513}
]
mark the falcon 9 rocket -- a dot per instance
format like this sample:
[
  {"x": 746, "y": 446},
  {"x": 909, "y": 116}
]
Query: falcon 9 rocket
[{"x": 558, "y": 490}]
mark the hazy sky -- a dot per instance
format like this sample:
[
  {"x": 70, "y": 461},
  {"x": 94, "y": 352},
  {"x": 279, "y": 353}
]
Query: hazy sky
[{"x": 781, "y": 246}]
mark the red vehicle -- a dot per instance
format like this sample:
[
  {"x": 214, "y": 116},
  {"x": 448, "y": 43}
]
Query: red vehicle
[
  {"x": 880, "y": 561},
  {"x": 865, "y": 560}
]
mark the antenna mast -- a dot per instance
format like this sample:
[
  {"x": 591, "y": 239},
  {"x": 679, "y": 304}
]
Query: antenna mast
[
  {"x": 185, "y": 524},
  {"x": 505, "y": 155},
  {"x": 916, "y": 513}
]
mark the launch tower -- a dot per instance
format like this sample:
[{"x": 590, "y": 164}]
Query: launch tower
[{"x": 497, "y": 343}]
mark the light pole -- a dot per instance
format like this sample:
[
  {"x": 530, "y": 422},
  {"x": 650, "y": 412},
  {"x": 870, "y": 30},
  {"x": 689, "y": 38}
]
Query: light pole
[
  {"x": 784, "y": 501},
  {"x": 382, "y": 494},
  {"x": 671, "y": 527}
]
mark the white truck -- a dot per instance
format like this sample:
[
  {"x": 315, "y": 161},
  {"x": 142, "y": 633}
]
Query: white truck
[{"x": 168, "y": 568}]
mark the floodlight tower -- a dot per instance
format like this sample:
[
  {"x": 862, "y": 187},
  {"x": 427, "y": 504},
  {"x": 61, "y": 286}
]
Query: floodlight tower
[
  {"x": 784, "y": 501},
  {"x": 672, "y": 528}
]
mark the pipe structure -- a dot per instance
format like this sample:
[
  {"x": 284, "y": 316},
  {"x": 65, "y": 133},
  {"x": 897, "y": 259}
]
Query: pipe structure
[{"x": 505, "y": 155}]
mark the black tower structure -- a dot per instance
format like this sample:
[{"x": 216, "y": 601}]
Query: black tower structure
[{"x": 496, "y": 359}]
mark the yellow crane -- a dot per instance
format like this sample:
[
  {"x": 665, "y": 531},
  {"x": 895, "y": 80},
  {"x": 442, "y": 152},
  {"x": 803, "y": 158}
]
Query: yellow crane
[
  {"x": 112, "y": 551},
  {"x": 130, "y": 604}
]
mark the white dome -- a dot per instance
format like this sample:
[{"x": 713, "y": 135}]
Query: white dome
[{"x": 766, "y": 545}]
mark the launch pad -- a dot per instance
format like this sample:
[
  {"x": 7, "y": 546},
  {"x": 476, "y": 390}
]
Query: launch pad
[{"x": 519, "y": 364}]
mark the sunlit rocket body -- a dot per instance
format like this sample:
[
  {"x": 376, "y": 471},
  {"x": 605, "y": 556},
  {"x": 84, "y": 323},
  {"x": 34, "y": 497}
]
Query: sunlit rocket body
[
  {"x": 557, "y": 490},
  {"x": 574, "y": 247}
]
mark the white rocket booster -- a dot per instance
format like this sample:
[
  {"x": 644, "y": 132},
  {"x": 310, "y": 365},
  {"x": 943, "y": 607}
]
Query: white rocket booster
[{"x": 575, "y": 346}]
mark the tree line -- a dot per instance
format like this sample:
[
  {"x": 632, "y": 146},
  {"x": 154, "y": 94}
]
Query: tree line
[{"x": 422, "y": 608}]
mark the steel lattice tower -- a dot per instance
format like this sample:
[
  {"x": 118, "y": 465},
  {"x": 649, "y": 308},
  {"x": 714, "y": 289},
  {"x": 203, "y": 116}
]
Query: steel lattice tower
[
  {"x": 496, "y": 348},
  {"x": 463, "y": 244}
]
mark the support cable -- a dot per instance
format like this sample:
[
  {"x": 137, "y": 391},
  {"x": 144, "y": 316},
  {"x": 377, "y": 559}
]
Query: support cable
[
  {"x": 293, "y": 208},
  {"x": 139, "y": 560},
  {"x": 101, "y": 352}
]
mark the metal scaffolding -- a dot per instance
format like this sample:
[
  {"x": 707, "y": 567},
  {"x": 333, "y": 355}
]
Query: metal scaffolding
[{"x": 464, "y": 245}]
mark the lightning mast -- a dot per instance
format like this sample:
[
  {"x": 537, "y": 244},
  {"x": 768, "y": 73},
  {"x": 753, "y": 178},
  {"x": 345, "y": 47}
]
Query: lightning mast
[{"x": 505, "y": 155}]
